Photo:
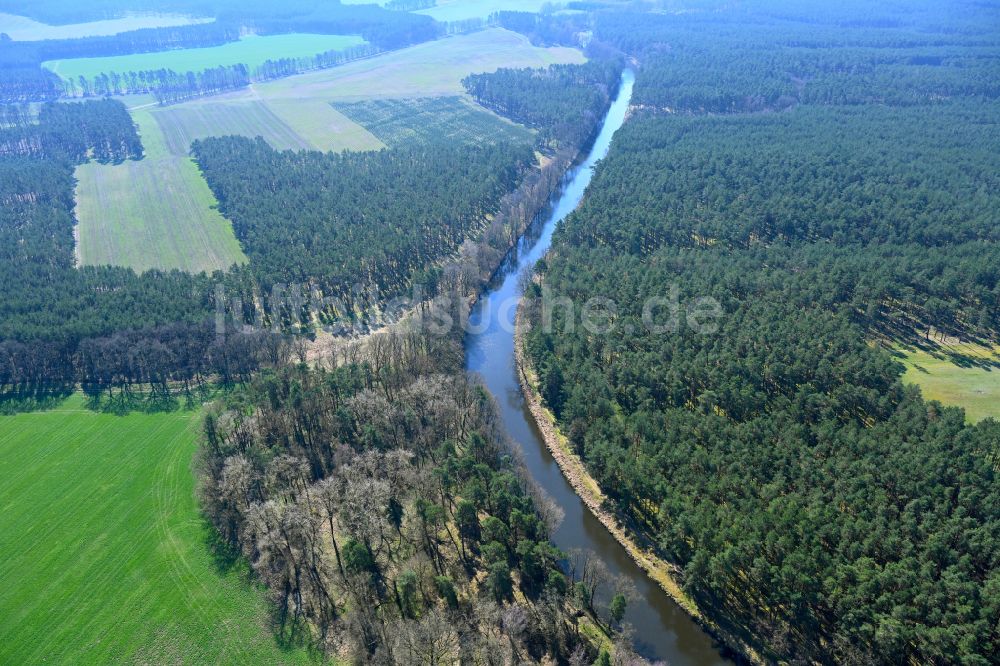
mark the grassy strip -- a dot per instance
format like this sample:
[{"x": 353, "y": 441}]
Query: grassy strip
[{"x": 321, "y": 126}]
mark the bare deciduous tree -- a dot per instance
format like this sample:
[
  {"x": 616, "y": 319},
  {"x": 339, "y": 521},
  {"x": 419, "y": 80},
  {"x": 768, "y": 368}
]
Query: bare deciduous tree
[{"x": 429, "y": 641}]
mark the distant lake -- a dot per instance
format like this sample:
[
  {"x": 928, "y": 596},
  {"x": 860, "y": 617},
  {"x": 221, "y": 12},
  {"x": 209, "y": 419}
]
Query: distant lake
[
  {"x": 251, "y": 51},
  {"x": 22, "y": 28}
]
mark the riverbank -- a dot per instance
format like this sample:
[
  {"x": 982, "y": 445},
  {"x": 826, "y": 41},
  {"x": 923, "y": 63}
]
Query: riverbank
[{"x": 587, "y": 489}]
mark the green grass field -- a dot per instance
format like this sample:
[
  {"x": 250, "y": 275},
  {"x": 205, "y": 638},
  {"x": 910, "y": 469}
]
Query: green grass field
[
  {"x": 962, "y": 374},
  {"x": 250, "y": 51},
  {"x": 157, "y": 212},
  {"x": 105, "y": 556},
  {"x": 397, "y": 121},
  {"x": 458, "y": 10},
  {"x": 290, "y": 124},
  {"x": 22, "y": 28}
]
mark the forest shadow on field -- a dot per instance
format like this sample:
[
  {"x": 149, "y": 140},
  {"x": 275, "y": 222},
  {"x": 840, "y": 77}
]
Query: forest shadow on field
[
  {"x": 122, "y": 404},
  {"x": 33, "y": 400},
  {"x": 291, "y": 634},
  {"x": 902, "y": 337},
  {"x": 948, "y": 353},
  {"x": 151, "y": 402},
  {"x": 225, "y": 556}
]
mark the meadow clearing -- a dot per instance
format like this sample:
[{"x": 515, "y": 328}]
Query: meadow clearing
[
  {"x": 106, "y": 557},
  {"x": 157, "y": 212},
  {"x": 22, "y": 28},
  {"x": 251, "y": 51},
  {"x": 962, "y": 374},
  {"x": 284, "y": 124}
]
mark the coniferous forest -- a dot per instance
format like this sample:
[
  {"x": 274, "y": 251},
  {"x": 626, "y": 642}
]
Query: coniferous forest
[
  {"x": 833, "y": 188},
  {"x": 49, "y": 305},
  {"x": 371, "y": 218},
  {"x": 564, "y": 102}
]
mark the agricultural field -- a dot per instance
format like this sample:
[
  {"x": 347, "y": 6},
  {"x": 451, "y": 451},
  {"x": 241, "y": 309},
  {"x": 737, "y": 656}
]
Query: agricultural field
[
  {"x": 458, "y": 10},
  {"x": 962, "y": 374},
  {"x": 106, "y": 558},
  {"x": 22, "y": 28},
  {"x": 284, "y": 124},
  {"x": 396, "y": 121},
  {"x": 322, "y": 126},
  {"x": 252, "y": 51},
  {"x": 156, "y": 212},
  {"x": 182, "y": 124},
  {"x": 297, "y": 111}
]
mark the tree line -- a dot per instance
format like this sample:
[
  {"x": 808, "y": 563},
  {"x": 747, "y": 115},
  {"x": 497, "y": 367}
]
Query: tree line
[
  {"x": 166, "y": 84},
  {"x": 29, "y": 81},
  {"x": 169, "y": 86},
  {"x": 273, "y": 69}
]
